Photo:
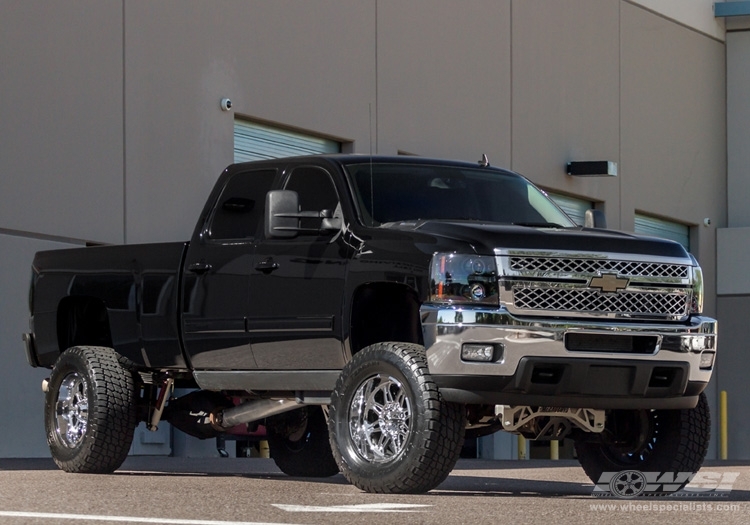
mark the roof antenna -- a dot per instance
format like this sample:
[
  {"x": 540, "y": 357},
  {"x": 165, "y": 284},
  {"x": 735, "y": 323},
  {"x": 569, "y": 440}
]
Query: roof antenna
[
  {"x": 485, "y": 162},
  {"x": 372, "y": 187}
]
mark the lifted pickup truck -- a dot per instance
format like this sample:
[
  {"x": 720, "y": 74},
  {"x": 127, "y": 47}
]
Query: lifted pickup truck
[{"x": 372, "y": 312}]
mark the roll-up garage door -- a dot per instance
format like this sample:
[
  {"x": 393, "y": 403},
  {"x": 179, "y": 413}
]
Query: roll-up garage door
[
  {"x": 255, "y": 141},
  {"x": 574, "y": 208},
  {"x": 647, "y": 225}
]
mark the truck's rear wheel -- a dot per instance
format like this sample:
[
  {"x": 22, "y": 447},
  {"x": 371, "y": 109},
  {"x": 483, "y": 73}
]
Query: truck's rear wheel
[
  {"x": 303, "y": 449},
  {"x": 651, "y": 441},
  {"x": 90, "y": 412},
  {"x": 390, "y": 430}
]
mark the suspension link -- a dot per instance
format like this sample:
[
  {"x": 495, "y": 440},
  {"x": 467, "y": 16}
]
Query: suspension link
[{"x": 548, "y": 423}]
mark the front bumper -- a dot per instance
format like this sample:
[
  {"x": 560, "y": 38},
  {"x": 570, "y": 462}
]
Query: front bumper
[{"x": 534, "y": 364}]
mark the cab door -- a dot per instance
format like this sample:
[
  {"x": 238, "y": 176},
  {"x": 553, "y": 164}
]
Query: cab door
[
  {"x": 297, "y": 286},
  {"x": 218, "y": 265}
]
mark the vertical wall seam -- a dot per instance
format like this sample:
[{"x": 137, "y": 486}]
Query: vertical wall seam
[
  {"x": 124, "y": 139},
  {"x": 511, "y": 87},
  {"x": 377, "y": 86},
  {"x": 619, "y": 110},
  {"x": 726, "y": 141}
]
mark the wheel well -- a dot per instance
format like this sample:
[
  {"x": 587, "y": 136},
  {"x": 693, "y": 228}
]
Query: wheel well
[
  {"x": 384, "y": 312},
  {"x": 82, "y": 321}
]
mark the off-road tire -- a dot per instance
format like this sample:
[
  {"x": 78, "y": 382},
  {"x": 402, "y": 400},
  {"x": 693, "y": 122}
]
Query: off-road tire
[
  {"x": 307, "y": 453},
  {"x": 391, "y": 431},
  {"x": 90, "y": 410},
  {"x": 675, "y": 441}
]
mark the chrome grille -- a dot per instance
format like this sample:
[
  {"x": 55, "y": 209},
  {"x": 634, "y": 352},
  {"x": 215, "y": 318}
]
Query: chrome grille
[
  {"x": 564, "y": 265},
  {"x": 611, "y": 285},
  {"x": 585, "y": 300}
]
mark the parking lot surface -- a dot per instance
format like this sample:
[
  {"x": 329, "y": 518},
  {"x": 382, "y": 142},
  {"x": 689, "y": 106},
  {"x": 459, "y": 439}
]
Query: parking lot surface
[{"x": 219, "y": 491}]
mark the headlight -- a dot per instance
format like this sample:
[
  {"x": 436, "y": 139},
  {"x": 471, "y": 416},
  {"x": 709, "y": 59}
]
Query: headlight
[
  {"x": 696, "y": 306},
  {"x": 463, "y": 279}
]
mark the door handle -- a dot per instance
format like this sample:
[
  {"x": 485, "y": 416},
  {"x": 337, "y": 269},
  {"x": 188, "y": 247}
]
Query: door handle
[
  {"x": 199, "y": 267},
  {"x": 267, "y": 266}
]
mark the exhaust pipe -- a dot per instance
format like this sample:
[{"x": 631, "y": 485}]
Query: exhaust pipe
[{"x": 251, "y": 411}]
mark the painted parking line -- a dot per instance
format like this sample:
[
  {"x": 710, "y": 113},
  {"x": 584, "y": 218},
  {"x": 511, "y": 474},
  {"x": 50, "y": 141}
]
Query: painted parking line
[
  {"x": 365, "y": 507},
  {"x": 125, "y": 519}
]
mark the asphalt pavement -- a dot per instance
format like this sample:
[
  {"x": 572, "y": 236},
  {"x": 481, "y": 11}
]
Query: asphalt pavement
[{"x": 217, "y": 491}]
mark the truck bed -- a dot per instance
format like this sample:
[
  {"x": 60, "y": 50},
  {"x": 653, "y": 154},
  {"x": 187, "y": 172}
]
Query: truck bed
[{"x": 135, "y": 286}]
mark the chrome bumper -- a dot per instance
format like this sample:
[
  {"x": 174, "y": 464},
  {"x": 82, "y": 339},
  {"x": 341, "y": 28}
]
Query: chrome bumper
[{"x": 598, "y": 378}]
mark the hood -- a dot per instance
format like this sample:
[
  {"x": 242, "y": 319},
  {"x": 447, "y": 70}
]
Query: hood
[{"x": 485, "y": 237}]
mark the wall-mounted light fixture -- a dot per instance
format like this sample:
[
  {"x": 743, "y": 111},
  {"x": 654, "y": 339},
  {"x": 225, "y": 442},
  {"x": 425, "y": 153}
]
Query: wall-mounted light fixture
[{"x": 592, "y": 168}]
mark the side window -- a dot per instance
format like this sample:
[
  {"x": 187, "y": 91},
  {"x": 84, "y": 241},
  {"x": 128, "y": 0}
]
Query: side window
[
  {"x": 316, "y": 192},
  {"x": 239, "y": 210}
]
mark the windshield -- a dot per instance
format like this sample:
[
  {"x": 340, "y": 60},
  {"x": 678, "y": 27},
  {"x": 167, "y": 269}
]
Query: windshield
[{"x": 410, "y": 192}]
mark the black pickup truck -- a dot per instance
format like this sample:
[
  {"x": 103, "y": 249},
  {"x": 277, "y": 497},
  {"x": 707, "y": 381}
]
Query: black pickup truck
[{"x": 372, "y": 312}]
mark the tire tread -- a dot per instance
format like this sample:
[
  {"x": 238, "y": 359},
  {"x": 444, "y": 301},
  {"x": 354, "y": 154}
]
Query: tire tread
[
  {"x": 683, "y": 446},
  {"x": 112, "y": 411},
  {"x": 443, "y": 426}
]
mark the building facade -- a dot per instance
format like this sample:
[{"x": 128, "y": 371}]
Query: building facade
[
  {"x": 112, "y": 130},
  {"x": 733, "y": 241}
]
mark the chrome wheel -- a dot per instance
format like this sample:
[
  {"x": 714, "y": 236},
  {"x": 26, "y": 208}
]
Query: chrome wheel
[
  {"x": 90, "y": 410},
  {"x": 380, "y": 418},
  {"x": 72, "y": 410},
  {"x": 390, "y": 431}
]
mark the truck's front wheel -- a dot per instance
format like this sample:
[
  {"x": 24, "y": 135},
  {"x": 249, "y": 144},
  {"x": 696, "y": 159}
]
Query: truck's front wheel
[
  {"x": 390, "y": 430},
  {"x": 649, "y": 441},
  {"x": 90, "y": 411}
]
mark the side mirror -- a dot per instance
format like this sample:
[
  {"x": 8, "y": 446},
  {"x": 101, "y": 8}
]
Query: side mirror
[
  {"x": 283, "y": 217},
  {"x": 595, "y": 219},
  {"x": 282, "y": 210}
]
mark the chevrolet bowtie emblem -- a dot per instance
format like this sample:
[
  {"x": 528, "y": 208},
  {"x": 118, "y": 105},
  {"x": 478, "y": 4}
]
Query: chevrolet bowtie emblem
[{"x": 608, "y": 283}]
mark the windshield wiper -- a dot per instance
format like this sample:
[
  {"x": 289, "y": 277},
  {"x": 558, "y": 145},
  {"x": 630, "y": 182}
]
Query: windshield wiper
[{"x": 539, "y": 224}]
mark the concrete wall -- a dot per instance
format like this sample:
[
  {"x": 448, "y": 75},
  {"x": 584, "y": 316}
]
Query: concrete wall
[
  {"x": 733, "y": 243},
  {"x": 443, "y": 79},
  {"x": 733, "y": 260},
  {"x": 731, "y": 371},
  {"x": 738, "y": 132},
  {"x": 566, "y": 95},
  {"x": 303, "y": 64},
  {"x": 695, "y": 14},
  {"x": 111, "y": 131},
  {"x": 61, "y": 118}
]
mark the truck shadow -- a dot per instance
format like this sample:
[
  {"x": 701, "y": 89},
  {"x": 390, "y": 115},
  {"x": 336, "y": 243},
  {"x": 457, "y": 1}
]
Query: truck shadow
[
  {"x": 461, "y": 483},
  {"x": 467, "y": 485}
]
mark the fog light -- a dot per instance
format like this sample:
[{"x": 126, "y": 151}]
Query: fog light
[
  {"x": 477, "y": 352},
  {"x": 707, "y": 359},
  {"x": 697, "y": 343}
]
